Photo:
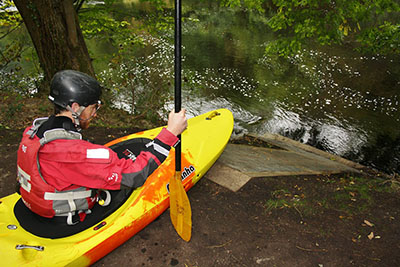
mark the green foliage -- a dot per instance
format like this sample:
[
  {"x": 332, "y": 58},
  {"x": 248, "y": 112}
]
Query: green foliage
[
  {"x": 10, "y": 52},
  {"x": 8, "y": 15},
  {"x": 385, "y": 39},
  {"x": 96, "y": 21},
  {"x": 251, "y": 4},
  {"x": 161, "y": 18},
  {"x": 107, "y": 26},
  {"x": 9, "y": 22},
  {"x": 10, "y": 105},
  {"x": 102, "y": 24},
  {"x": 110, "y": 25},
  {"x": 371, "y": 25},
  {"x": 159, "y": 4}
]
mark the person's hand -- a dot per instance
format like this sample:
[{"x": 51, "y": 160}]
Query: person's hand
[{"x": 177, "y": 122}]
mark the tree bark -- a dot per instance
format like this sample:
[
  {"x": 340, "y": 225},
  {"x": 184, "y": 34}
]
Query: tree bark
[{"x": 55, "y": 32}]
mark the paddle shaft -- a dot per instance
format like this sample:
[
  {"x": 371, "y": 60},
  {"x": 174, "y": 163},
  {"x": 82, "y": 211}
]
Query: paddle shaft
[
  {"x": 180, "y": 211},
  {"x": 178, "y": 71}
]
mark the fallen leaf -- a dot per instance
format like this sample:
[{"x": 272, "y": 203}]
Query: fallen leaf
[
  {"x": 371, "y": 235},
  {"x": 368, "y": 223}
]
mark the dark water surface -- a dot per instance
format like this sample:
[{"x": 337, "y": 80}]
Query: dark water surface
[{"x": 331, "y": 98}]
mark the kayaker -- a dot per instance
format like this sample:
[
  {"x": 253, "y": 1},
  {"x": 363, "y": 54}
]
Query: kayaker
[{"x": 59, "y": 172}]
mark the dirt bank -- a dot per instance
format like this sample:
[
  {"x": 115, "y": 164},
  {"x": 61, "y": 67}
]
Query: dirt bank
[{"x": 276, "y": 221}]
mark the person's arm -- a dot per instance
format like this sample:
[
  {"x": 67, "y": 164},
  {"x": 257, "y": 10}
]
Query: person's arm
[
  {"x": 134, "y": 175},
  {"x": 158, "y": 151}
]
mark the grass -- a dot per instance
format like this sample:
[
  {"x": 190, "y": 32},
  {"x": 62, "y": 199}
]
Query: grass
[{"x": 349, "y": 195}]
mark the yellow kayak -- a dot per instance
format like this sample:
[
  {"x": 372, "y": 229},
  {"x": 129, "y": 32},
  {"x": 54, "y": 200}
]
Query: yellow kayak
[{"x": 202, "y": 144}]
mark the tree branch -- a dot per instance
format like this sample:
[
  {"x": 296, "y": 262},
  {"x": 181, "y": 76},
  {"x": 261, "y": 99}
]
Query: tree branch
[{"x": 10, "y": 31}]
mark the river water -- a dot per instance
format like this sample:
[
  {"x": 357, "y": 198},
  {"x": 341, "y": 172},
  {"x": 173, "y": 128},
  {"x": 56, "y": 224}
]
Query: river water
[{"x": 331, "y": 97}]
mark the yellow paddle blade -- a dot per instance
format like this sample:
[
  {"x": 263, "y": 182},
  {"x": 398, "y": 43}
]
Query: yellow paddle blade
[{"x": 180, "y": 211}]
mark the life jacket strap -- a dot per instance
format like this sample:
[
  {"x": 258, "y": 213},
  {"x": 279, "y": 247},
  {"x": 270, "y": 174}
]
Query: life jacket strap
[
  {"x": 24, "y": 179},
  {"x": 36, "y": 125},
  {"x": 55, "y": 134},
  {"x": 71, "y": 195},
  {"x": 104, "y": 202},
  {"x": 69, "y": 219}
]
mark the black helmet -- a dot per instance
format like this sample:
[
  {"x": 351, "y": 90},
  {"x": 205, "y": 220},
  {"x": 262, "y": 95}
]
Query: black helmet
[{"x": 68, "y": 86}]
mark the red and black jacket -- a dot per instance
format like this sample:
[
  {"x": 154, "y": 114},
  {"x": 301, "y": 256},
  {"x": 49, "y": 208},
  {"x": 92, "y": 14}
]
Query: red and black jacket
[{"x": 51, "y": 163}]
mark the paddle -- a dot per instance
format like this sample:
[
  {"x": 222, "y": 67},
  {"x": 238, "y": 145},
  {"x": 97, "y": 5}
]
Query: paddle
[{"x": 180, "y": 211}]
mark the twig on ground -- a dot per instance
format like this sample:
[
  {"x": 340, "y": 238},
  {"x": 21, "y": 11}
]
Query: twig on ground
[
  {"x": 301, "y": 215},
  {"x": 220, "y": 246},
  {"x": 312, "y": 250}
]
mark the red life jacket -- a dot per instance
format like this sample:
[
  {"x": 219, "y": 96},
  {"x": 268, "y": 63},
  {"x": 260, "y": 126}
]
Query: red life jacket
[{"x": 36, "y": 193}]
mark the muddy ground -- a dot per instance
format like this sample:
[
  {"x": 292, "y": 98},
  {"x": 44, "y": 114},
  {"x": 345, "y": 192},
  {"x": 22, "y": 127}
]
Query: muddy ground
[{"x": 338, "y": 220}]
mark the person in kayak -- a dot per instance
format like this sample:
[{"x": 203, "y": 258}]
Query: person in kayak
[{"x": 59, "y": 173}]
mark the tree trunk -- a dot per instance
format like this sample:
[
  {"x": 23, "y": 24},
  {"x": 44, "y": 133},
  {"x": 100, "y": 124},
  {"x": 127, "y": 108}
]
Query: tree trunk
[{"x": 54, "y": 29}]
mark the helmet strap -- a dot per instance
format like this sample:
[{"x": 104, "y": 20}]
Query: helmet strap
[{"x": 76, "y": 115}]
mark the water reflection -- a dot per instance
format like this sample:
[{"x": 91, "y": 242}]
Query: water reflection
[
  {"x": 199, "y": 105},
  {"x": 333, "y": 99},
  {"x": 337, "y": 102}
]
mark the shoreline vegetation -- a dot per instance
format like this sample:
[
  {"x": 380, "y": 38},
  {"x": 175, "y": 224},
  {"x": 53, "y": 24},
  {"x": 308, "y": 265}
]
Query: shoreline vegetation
[{"x": 17, "y": 112}]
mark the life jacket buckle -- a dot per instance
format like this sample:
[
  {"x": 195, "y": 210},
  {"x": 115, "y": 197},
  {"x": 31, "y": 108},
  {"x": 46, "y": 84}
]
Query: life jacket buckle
[{"x": 101, "y": 200}]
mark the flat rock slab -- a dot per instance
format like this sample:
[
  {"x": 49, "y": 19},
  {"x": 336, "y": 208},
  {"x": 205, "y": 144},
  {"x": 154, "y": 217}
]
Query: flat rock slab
[
  {"x": 239, "y": 163},
  {"x": 227, "y": 177}
]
